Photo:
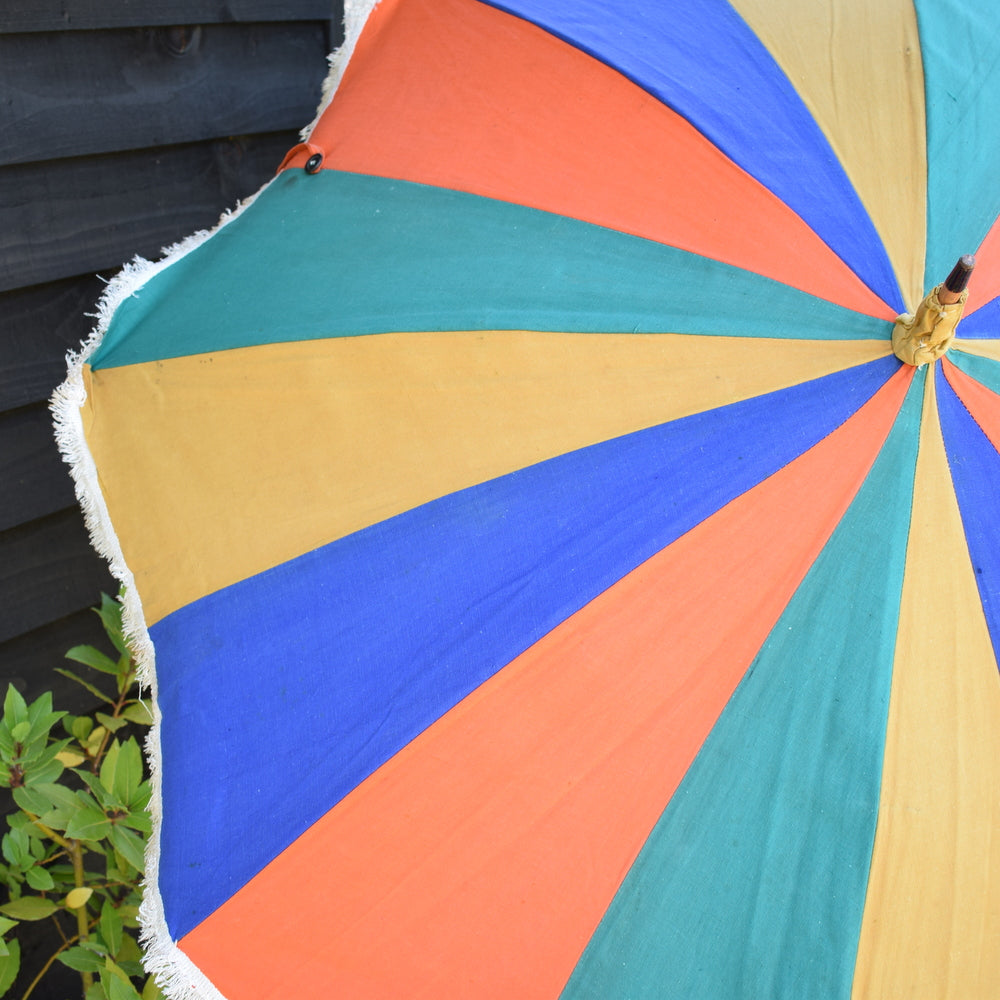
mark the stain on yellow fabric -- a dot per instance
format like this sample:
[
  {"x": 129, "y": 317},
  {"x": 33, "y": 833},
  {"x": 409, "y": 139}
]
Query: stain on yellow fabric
[
  {"x": 936, "y": 845},
  {"x": 215, "y": 467},
  {"x": 858, "y": 69}
]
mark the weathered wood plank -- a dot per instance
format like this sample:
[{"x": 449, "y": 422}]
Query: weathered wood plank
[
  {"x": 48, "y": 571},
  {"x": 74, "y": 94},
  {"x": 36, "y": 481},
  {"x": 92, "y": 213},
  {"x": 38, "y": 326},
  {"x": 67, "y": 15}
]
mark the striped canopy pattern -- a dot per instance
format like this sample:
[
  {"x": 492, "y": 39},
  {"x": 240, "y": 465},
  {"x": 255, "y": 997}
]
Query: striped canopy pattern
[{"x": 557, "y": 588}]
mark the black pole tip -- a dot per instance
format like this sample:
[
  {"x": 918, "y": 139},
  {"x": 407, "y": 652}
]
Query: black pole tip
[{"x": 960, "y": 273}]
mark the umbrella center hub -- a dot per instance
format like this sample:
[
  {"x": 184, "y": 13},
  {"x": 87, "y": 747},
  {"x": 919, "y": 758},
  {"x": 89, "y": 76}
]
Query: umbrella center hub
[{"x": 925, "y": 335}]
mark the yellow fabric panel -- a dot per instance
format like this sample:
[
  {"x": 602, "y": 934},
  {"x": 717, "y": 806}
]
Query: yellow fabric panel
[
  {"x": 857, "y": 67},
  {"x": 931, "y": 927},
  {"x": 983, "y": 348},
  {"x": 215, "y": 467}
]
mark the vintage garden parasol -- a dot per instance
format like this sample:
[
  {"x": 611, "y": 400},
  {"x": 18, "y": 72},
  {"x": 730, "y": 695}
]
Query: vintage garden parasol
[{"x": 557, "y": 586}]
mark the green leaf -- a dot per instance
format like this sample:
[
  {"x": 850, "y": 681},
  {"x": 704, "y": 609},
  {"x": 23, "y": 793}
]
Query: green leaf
[
  {"x": 110, "y": 765},
  {"x": 110, "y": 613},
  {"x": 16, "y": 848},
  {"x": 41, "y": 716},
  {"x": 117, "y": 984},
  {"x": 140, "y": 801},
  {"x": 111, "y": 927},
  {"x": 20, "y": 731},
  {"x": 46, "y": 751},
  {"x": 53, "y": 804},
  {"x": 139, "y": 713},
  {"x": 137, "y": 820},
  {"x": 95, "y": 691},
  {"x": 94, "y": 784},
  {"x": 4, "y": 949},
  {"x": 128, "y": 773},
  {"x": 9, "y": 966},
  {"x": 32, "y": 800},
  {"x": 89, "y": 823},
  {"x": 128, "y": 952},
  {"x": 29, "y": 908},
  {"x": 15, "y": 709},
  {"x": 6, "y": 925},
  {"x": 110, "y": 722},
  {"x": 38, "y": 878},
  {"x": 119, "y": 989},
  {"x": 44, "y": 773},
  {"x": 151, "y": 991},
  {"x": 94, "y": 658},
  {"x": 129, "y": 845},
  {"x": 81, "y": 727},
  {"x": 82, "y": 959},
  {"x": 42, "y": 705},
  {"x": 95, "y": 992}
]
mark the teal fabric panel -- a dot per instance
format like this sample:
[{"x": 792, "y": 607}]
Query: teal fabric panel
[
  {"x": 752, "y": 884},
  {"x": 337, "y": 254},
  {"x": 983, "y": 370},
  {"x": 960, "y": 41}
]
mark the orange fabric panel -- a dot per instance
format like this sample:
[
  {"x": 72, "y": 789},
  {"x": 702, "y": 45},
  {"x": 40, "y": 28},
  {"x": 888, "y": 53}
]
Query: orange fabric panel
[
  {"x": 478, "y": 861},
  {"x": 467, "y": 97},
  {"x": 985, "y": 283},
  {"x": 982, "y": 403}
]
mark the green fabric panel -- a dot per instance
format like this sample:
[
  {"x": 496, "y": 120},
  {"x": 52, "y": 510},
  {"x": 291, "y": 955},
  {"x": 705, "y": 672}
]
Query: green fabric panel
[
  {"x": 752, "y": 884},
  {"x": 960, "y": 41},
  {"x": 983, "y": 370},
  {"x": 336, "y": 254}
]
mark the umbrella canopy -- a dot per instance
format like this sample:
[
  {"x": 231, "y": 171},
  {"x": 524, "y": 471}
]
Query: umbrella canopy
[{"x": 556, "y": 585}]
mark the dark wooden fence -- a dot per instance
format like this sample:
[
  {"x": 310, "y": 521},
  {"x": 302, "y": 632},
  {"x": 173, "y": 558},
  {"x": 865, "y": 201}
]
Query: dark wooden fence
[{"x": 125, "y": 125}]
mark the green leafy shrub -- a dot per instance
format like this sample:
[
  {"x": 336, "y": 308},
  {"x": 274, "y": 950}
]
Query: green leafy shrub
[{"x": 74, "y": 853}]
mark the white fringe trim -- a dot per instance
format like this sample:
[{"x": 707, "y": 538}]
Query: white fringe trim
[{"x": 176, "y": 974}]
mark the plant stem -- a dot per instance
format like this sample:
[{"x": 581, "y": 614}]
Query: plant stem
[
  {"x": 51, "y": 834},
  {"x": 116, "y": 708},
  {"x": 76, "y": 852}
]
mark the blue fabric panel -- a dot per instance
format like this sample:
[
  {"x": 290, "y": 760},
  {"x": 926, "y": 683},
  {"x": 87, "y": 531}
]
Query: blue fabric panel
[
  {"x": 700, "y": 58},
  {"x": 367, "y": 641},
  {"x": 340, "y": 254},
  {"x": 975, "y": 473},
  {"x": 959, "y": 42},
  {"x": 984, "y": 322},
  {"x": 753, "y": 882}
]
